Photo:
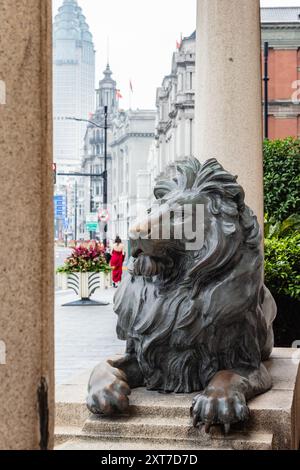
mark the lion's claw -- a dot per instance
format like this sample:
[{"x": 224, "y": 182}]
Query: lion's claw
[{"x": 210, "y": 408}]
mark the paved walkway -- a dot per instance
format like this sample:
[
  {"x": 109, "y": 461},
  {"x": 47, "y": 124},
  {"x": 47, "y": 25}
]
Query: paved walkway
[{"x": 84, "y": 335}]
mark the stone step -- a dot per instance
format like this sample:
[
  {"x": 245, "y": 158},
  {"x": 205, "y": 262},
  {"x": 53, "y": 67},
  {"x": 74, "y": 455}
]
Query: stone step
[
  {"x": 124, "y": 444},
  {"x": 161, "y": 434},
  {"x": 274, "y": 413},
  {"x": 67, "y": 437}
]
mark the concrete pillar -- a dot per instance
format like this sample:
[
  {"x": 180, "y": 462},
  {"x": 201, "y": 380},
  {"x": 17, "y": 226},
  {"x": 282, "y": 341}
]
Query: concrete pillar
[
  {"x": 26, "y": 226},
  {"x": 228, "y": 91}
]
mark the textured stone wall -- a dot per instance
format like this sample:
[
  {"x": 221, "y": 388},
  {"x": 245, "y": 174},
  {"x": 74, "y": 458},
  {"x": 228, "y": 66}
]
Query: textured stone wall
[{"x": 26, "y": 225}]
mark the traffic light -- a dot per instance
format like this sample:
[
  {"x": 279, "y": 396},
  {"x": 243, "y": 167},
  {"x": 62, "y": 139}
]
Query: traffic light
[{"x": 54, "y": 172}]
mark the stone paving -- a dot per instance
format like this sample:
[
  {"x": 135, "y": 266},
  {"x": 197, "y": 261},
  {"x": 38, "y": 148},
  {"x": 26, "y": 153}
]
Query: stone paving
[{"x": 83, "y": 335}]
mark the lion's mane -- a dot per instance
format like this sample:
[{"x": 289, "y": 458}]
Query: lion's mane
[{"x": 210, "y": 316}]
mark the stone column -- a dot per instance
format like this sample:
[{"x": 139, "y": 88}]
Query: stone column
[
  {"x": 228, "y": 91},
  {"x": 26, "y": 226}
]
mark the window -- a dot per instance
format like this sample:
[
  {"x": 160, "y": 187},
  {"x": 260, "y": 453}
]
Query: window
[
  {"x": 191, "y": 80},
  {"x": 191, "y": 137}
]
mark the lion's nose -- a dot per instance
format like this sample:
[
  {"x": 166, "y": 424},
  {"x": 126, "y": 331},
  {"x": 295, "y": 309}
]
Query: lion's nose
[{"x": 140, "y": 230}]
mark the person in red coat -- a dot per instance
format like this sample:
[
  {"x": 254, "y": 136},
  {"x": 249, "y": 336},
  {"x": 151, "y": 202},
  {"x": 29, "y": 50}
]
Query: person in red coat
[{"x": 116, "y": 262}]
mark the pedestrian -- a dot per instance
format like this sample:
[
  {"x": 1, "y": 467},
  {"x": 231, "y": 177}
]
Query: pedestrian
[
  {"x": 116, "y": 262},
  {"x": 107, "y": 254}
]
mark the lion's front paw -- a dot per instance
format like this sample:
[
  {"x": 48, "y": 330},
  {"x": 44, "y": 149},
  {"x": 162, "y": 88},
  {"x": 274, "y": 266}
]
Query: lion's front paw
[
  {"x": 213, "y": 406},
  {"x": 108, "y": 391}
]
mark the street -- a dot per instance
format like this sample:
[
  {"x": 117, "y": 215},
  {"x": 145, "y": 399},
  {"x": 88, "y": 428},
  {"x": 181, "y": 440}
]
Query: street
[
  {"x": 61, "y": 253},
  {"x": 83, "y": 335}
]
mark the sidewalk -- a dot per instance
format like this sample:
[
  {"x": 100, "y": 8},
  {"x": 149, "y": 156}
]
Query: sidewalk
[{"x": 84, "y": 336}]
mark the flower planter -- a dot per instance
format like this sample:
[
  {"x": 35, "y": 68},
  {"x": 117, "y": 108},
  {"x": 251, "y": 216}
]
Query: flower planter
[
  {"x": 85, "y": 284},
  {"x": 86, "y": 270}
]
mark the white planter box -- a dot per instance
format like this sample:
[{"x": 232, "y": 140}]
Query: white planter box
[
  {"x": 61, "y": 281},
  {"x": 105, "y": 281},
  {"x": 84, "y": 284}
]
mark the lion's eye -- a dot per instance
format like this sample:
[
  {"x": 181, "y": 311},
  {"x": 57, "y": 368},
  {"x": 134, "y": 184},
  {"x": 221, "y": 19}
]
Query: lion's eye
[{"x": 177, "y": 215}]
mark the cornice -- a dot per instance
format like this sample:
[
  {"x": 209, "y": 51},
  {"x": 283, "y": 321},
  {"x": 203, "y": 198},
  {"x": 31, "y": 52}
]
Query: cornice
[{"x": 130, "y": 135}]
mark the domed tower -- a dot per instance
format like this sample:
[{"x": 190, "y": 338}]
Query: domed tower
[
  {"x": 74, "y": 82},
  {"x": 94, "y": 143},
  {"x": 106, "y": 94}
]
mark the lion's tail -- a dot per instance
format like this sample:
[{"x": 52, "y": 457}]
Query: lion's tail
[{"x": 269, "y": 310}]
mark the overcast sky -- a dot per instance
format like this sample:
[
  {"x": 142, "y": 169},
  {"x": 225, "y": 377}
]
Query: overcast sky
[{"x": 142, "y": 37}]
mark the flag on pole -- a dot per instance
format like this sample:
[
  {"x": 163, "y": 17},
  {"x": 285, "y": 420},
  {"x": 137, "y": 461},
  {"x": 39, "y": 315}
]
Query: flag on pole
[
  {"x": 118, "y": 94},
  {"x": 130, "y": 85},
  {"x": 178, "y": 43}
]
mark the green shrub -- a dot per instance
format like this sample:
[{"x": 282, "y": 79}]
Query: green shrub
[
  {"x": 282, "y": 229},
  {"x": 282, "y": 265},
  {"x": 282, "y": 178}
]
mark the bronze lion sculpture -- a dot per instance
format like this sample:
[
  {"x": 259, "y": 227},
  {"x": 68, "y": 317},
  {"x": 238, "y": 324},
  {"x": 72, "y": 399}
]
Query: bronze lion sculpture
[{"x": 197, "y": 319}]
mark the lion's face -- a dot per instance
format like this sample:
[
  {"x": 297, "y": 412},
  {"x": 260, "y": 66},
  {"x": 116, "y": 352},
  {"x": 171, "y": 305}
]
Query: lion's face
[
  {"x": 197, "y": 221},
  {"x": 173, "y": 229}
]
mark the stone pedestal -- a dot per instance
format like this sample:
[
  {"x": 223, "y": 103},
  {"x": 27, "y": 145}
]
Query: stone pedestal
[
  {"x": 228, "y": 92},
  {"x": 159, "y": 421}
]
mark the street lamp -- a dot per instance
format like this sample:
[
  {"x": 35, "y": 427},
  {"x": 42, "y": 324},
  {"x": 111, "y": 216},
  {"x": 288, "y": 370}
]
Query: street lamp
[{"x": 104, "y": 174}]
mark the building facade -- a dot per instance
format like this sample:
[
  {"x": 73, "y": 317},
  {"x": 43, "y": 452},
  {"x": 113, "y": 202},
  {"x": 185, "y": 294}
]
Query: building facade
[
  {"x": 281, "y": 29},
  {"x": 133, "y": 134},
  {"x": 175, "y": 101}
]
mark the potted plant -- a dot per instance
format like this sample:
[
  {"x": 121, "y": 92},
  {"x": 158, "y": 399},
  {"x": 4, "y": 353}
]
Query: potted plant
[{"x": 86, "y": 271}]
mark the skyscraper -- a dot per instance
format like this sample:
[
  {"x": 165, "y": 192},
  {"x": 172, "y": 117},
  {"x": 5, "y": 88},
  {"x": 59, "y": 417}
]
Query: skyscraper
[
  {"x": 74, "y": 82},
  {"x": 73, "y": 96}
]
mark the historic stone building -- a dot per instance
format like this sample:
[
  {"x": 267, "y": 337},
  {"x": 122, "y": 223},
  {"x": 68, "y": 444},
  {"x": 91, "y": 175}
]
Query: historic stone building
[
  {"x": 133, "y": 133},
  {"x": 175, "y": 102},
  {"x": 281, "y": 28},
  {"x": 129, "y": 137},
  {"x": 91, "y": 189}
]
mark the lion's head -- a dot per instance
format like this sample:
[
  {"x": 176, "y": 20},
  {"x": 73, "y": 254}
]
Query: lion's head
[
  {"x": 207, "y": 202},
  {"x": 190, "y": 310}
]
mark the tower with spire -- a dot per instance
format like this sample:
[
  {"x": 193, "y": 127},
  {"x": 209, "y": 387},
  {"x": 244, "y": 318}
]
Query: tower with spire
[
  {"x": 107, "y": 92},
  {"x": 93, "y": 157}
]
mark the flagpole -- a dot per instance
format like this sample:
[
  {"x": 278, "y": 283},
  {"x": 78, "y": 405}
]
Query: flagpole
[{"x": 130, "y": 95}]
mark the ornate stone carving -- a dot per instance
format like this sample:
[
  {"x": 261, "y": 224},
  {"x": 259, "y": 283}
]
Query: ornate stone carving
[{"x": 197, "y": 319}]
